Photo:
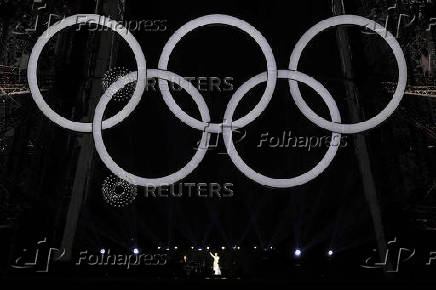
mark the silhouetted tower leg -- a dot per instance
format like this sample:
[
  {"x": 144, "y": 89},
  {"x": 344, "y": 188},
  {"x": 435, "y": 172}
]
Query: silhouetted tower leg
[
  {"x": 361, "y": 149},
  {"x": 102, "y": 58}
]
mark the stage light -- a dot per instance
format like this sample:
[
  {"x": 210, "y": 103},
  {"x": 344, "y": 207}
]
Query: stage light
[
  {"x": 102, "y": 251},
  {"x": 167, "y": 249},
  {"x": 223, "y": 248},
  {"x": 207, "y": 248},
  {"x": 330, "y": 253},
  {"x": 135, "y": 251},
  {"x": 158, "y": 248},
  {"x": 200, "y": 249},
  {"x": 255, "y": 247},
  {"x": 192, "y": 248},
  {"x": 297, "y": 253},
  {"x": 239, "y": 248},
  {"x": 175, "y": 248}
]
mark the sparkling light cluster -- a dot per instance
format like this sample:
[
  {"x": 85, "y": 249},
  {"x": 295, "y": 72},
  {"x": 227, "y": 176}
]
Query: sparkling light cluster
[
  {"x": 118, "y": 192},
  {"x": 111, "y": 76}
]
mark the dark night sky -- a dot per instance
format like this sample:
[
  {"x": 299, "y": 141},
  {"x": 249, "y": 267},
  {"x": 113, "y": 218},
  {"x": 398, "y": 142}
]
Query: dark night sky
[
  {"x": 43, "y": 193},
  {"x": 152, "y": 142}
]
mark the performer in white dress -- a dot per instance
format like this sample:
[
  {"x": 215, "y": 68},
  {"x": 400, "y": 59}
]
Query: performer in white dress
[{"x": 216, "y": 266}]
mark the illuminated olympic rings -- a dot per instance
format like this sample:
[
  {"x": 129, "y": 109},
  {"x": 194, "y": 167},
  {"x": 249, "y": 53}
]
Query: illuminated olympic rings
[{"x": 270, "y": 76}]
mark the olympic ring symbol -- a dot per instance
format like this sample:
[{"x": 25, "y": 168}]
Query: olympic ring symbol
[{"x": 270, "y": 76}]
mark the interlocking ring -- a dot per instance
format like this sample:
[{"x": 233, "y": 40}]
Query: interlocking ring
[
  {"x": 70, "y": 21},
  {"x": 259, "y": 178},
  {"x": 383, "y": 115},
  {"x": 270, "y": 77},
  {"x": 231, "y": 21},
  {"x": 131, "y": 178}
]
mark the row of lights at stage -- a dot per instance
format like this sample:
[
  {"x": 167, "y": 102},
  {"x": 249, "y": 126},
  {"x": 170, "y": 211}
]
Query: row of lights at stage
[
  {"x": 135, "y": 251},
  {"x": 297, "y": 253}
]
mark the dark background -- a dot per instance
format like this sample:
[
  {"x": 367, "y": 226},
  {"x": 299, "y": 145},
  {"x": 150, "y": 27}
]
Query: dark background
[{"x": 329, "y": 212}]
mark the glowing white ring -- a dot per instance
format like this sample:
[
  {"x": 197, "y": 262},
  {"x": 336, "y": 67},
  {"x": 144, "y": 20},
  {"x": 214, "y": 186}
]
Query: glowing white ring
[
  {"x": 231, "y": 21},
  {"x": 262, "y": 179},
  {"x": 402, "y": 74},
  {"x": 270, "y": 76},
  {"x": 70, "y": 21},
  {"x": 107, "y": 159}
]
